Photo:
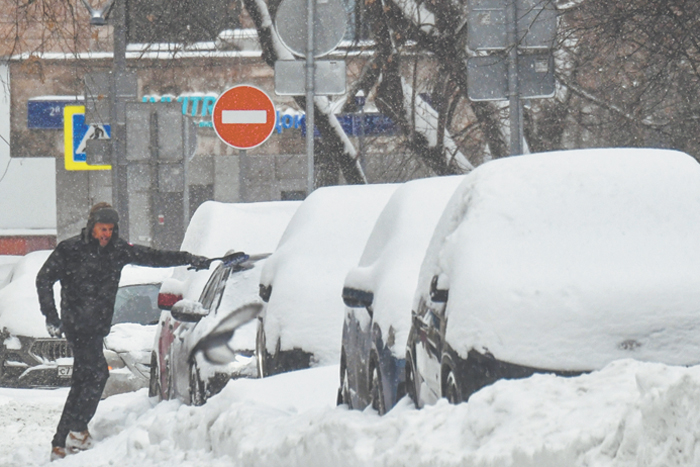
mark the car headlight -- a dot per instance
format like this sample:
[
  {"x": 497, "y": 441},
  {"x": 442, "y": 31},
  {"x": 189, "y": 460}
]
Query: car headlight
[{"x": 114, "y": 361}]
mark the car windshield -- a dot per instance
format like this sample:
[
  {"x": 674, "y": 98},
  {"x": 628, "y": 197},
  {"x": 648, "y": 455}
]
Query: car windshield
[{"x": 137, "y": 304}]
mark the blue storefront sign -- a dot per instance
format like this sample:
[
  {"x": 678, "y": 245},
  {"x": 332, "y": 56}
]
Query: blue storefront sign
[
  {"x": 369, "y": 124},
  {"x": 47, "y": 113}
]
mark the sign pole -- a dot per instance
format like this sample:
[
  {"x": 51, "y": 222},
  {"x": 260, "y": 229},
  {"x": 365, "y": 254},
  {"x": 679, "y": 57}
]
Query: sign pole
[
  {"x": 513, "y": 83},
  {"x": 310, "y": 13},
  {"x": 242, "y": 173},
  {"x": 118, "y": 120}
]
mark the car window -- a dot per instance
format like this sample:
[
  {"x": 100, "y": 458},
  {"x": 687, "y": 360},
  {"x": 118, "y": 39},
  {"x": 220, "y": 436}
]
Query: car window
[
  {"x": 137, "y": 304},
  {"x": 211, "y": 295}
]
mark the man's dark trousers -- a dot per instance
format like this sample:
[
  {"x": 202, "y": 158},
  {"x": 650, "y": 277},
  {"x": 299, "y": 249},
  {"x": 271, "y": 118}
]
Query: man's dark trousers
[{"x": 90, "y": 373}]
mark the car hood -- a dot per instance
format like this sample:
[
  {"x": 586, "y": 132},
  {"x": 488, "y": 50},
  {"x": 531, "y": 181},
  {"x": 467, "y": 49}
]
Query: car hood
[{"x": 130, "y": 337}]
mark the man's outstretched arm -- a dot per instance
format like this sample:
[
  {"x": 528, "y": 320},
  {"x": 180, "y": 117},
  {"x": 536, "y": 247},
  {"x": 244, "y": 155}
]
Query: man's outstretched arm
[{"x": 145, "y": 256}]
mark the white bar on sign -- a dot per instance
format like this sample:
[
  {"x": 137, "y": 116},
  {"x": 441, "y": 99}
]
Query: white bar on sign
[{"x": 243, "y": 116}]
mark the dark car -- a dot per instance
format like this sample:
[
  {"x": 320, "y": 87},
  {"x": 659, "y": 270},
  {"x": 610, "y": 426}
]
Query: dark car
[
  {"x": 560, "y": 263},
  {"x": 203, "y": 344},
  {"x": 205, "y": 341},
  {"x": 378, "y": 294}
]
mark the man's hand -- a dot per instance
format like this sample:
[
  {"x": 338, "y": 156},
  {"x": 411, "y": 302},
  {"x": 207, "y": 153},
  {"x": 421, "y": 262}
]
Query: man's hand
[
  {"x": 55, "y": 328},
  {"x": 199, "y": 262}
]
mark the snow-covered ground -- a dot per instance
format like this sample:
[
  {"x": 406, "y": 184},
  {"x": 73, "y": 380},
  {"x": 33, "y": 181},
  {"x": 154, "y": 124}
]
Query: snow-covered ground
[{"x": 628, "y": 414}]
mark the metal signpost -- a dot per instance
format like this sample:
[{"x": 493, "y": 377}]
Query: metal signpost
[
  {"x": 326, "y": 21},
  {"x": 511, "y": 26}
]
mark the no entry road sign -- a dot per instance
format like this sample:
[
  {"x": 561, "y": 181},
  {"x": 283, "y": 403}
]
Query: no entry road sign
[{"x": 244, "y": 117}]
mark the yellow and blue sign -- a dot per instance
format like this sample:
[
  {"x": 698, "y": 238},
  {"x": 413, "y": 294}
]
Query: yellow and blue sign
[{"x": 75, "y": 135}]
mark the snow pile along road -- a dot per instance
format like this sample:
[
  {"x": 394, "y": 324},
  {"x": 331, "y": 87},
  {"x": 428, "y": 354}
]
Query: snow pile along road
[{"x": 628, "y": 414}]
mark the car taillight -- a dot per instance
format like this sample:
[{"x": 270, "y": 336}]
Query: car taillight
[{"x": 167, "y": 300}]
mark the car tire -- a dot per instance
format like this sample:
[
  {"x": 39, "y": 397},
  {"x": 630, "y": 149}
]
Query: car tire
[
  {"x": 198, "y": 388},
  {"x": 411, "y": 388},
  {"x": 376, "y": 392},
  {"x": 154, "y": 381},
  {"x": 451, "y": 390},
  {"x": 344, "y": 389}
]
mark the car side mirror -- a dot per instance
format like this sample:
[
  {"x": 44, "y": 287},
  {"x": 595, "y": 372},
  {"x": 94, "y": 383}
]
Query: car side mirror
[
  {"x": 265, "y": 291},
  {"x": 188, "y": 311},
  {"x": 437, "y": 295},
  {"x": 355, "y": 298}
]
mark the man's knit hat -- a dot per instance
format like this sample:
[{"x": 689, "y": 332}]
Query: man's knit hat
[{"x": 103, "y": 213}]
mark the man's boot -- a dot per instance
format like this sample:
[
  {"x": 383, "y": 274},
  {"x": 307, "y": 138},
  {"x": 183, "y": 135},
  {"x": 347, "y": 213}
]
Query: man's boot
[
  {"x": 57, "y": 452},
  {"x": 78, "y": 441}
]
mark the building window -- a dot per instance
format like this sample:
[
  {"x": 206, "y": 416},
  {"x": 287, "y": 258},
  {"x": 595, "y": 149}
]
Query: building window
[{"x": 181, "y": 21}]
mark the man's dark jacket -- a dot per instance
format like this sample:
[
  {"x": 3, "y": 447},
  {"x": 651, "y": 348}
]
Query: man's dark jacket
[{"x": 89, "y": 276}]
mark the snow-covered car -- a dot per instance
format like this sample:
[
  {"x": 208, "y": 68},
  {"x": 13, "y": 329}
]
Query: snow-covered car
[
  {"x": 7, "y": 263},
  {"x": 129, "y": 344},
  {"x": 29, "y": 357},
  {"x": 301, "y": 283},
  {"x": 207, "y": 328},
  {"x": 378, "y": 293},
  {"x": 558, "y": 262}
]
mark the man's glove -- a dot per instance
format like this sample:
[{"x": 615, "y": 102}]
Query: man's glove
[
  {"x": 199, "y": 262},
  {"x": 54, "y": 327}
]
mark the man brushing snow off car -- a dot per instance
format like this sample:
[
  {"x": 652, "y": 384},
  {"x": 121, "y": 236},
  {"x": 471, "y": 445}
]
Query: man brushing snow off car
[{"x": 89, "y": 266}]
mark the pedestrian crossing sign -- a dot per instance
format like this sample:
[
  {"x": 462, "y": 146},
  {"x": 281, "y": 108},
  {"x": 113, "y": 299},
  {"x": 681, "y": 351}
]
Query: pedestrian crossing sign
[{"x": 75, "y": 136}]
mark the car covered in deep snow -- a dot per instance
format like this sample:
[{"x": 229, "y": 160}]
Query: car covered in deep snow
[
  {"x": 7, "y": 263},
  {"x": 301, "y": 283},
  {"x": 207, "y": 329},
  {"x": 378, "y": 293},
  {"x": 558, "y": 262},
  {"x": 29, "y": 357},
  {"x": 129, "y": 344}
]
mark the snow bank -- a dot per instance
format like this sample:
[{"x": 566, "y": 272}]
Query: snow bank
[
  {"x": 569, "y": 260},
  {"x": 628, "y": 414}
]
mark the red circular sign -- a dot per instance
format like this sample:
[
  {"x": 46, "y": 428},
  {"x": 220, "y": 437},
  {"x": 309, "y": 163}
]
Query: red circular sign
[{"x": 244, "y": 117}]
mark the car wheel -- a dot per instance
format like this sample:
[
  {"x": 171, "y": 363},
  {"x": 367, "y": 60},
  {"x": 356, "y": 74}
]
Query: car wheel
[
  {"x": 376, "y": 393},
  {"x": 261, "y": 351},
  {"x": 198, "y": 389},
  {"x": 154, "y": 381},
  {"x": 451, "y": 390},
  {"x": 344, "y": 389},
  {"x": 411, "y": 381}
]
